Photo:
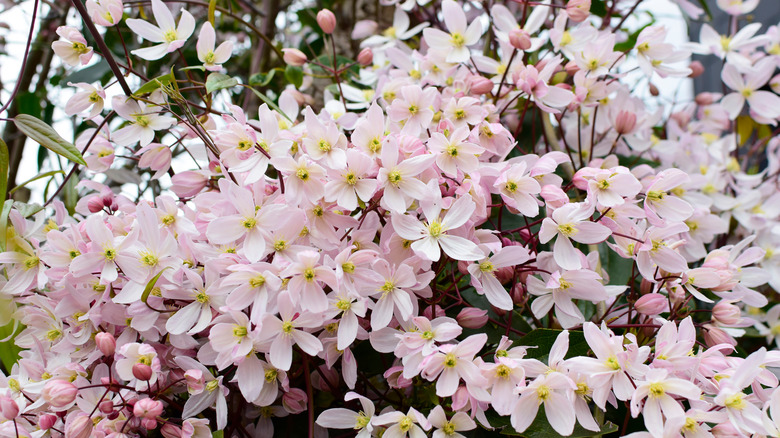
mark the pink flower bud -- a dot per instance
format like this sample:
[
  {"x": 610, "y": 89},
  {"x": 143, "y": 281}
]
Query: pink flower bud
[
  {"x": 365, "y": 57},
  {"x": 8, "y": 408},
  {"x": 578, "y": 10},
  {"x": 520, "y": 39},
  {"x": 705, "y": 98},
  {"x": 554, "y": 196},
  {"x": 294, "y": 401},
  {"x": 294, "y": 57},
  {"x": 571, "y": 68},
  {"x": 170, "y": 430},
  {"x": 59, "y": 393},
  {"x": 95, "y": 204},
  {"x": 646, "y": 287},
  {"x": 78, "y": 425},
  {"x": 364, "y": 29},
  {"x": 697, "y": 69},
  {"x": 106, "y": 406},
  {"x": 714, "y": 336},
  {"x": 726, "y": 313},
  {"x": 652, "y": 304},
  {"x": 142, "y": 371},
  {"x": 481, "y": 85},
  {"x": 473, "y": 318},
  {"x": 195, "y": 381},
  {"x": 148, "y": 409},
  {"x": 188, "y": 183},
  {"x": 395, "y": 378},
  {"x": 428, "y": 312},
  {"x": 725, "y": 430},
  {"x": 326, "y": 20},
  {"x": 625, "y": 122},
  {"x": 47, "y": 421},
  {"x": 149, "y": 423},
  {"x": 106, "y": 343},
  {"x": 505, "y": 274}
]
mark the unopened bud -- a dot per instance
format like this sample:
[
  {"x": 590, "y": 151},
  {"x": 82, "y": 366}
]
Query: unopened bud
[
  {"x": 481, "y": 85},
  {"x": 578, "y": 10},
  {"x": 106, "y": 343},
  {"x": 697, "y": 69},
  {"x": 8, "y": 408},
  {"x": 646, "y": 287},
  {"x": 47, "y": 421},
  {"x": 106, "y": 406},
  {"x": 653, "y": 90},
  {"x": 625, "y": 122},
  {"x": 78, "y": 425},
  {"x": 433, "y": 311},
  {"x": 519, "y": 39},
  {"x": 294, "y": 57},
  {"x": 170, "y": 430},
  {"x": 365, "y": 57},
  {"x": 652, "y": 304},
  {"x": 326, "y": 20},
  {"x": 554, "y": 196},
  {"x": 714, "y": 336},
  {"x": 95, "y": 204},
  {"x": 149, "y": 410},
  {"x": 294, "y": 401},
  {"x": 142, "y": 372},
  {"x": 726, "y": 313},
  {"x": 705, "y": 98},
  {"x": 364, "y": 29},
  {"x": 473, "y": 318},
  {"x": 59, "y": 393}
]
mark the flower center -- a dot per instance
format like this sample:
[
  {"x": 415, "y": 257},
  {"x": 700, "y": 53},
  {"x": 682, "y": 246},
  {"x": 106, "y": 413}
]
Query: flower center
[
  {"x": 270, "y": 375},
  {"x": 503, "y": 371},
  {"x": 543, "y": 392},
  {"x": 567, "y": 230},
  {"x": 657, "y": 389},
  {"x": 458, "y": 40},
  {"x": 170, "y": 36},
  {"x": 287, "y": 327},
  {"x": 735, "y": 401},
  {"x": 394, "y": 177},
  {"x": 435, "y": 229},
  {"x": 487, "y": 267},
  {"x": 450, "y": 360}
]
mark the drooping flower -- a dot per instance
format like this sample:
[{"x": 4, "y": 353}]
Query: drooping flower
[{"x": 169, "y": 35}]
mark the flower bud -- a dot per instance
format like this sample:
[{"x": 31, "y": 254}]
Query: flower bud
[
  {"x": 652, "y": 304},
  {"x": 714, "y": 336},
  {"x": 106, "y": 343},
  {"x": 473, "y": 318},
  {"x": 8, "y": 408},
  {"x": 294, "y": 57},
  {"x": 395, "y": 378},
  {"x": 554, "y": 196},
  {"x": 149, "y": 423},
  {"x": 78, "y": 425},
  {"x": 520, "y": 39},
  {"x": 188, "y": 183},
  {"x": 149, "y": 410},
  {"x": 481, "y": 85},
  {"x": 326, "y": 20},
  {"x": 170, "y": 430},
  {"x": 571, "y": 68},
  {"x": 428, "y": 312},
  {"x": 47, "y": 421},
  {"x": 195, "y": 381},
  {"x": 59, "y": 393},
  {"x": 705, "y": 98},
  {"x": 725, "y": 313},
  {"x": 142, "y": 372},
  {"x": 646, "y": 287},
  {"x": 578, "y": 10},
  {"x": 95, "y": 204},
  {"x": 365, "y": 57},
  {"x": 504, "y": 274},
  {"x": 697, "y": 69},
  {"x": 653, "y": 90},
  {"x": 364, "y": 29},
  {"x": 725, "y": 430},
  {"x": 106, "y": 406},
  {"x": 294, "y": 401},
  {"x": 625, "y": 122}
]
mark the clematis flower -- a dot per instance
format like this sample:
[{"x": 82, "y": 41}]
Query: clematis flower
[
  {"x": 340, "y": 418},
  {"x": 560, "y": 289},
  {"x": 144, "y": 120},
  {"x": 170, "y": 36},
  {"x": 483, "y": 274},
  {"x": 105, "y": 12},
  {"x": 212, "y": 59},
  {"x": 449, "y": 428},
  {"x": 412, "y": 424},
  {"x": 568, "y": 223},
  {"x": 517, "y": 188},
  {"x": 454, "y": 362},
  {"x": 90, "y": 96},
  {"x": 286, "y": 332},
  {"x": 398, "y": 177},
  {"x": 454, "y": 45},
  {"x": 428, "y": 238},
  {"x": 657, "y": 390},
  {"x": 555, "y": 391},
  {"x": 72, "y": 47},
  {"x": 748, "y": 88}
]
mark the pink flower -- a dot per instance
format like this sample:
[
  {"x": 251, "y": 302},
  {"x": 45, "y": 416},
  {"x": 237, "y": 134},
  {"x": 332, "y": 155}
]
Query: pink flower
[
  {"x": 560, "y": 289},
  {"x": 455, "y": 362},
  {"x": 448, "y": 428},
  {"x": 170, "y": 36},
  {"x": 483, "y": 274},
  {"x": 659, "y": 389},
  {"x": 517, "y": 188},
  {"x": 105, "y": 12},
  {"x": 340, "y": 418},
  {"x": 398, "y": 177},
  {"x": 555, "y": 391},
  {"x": 286, "y": 332},
  {"x": 454, "y": 45},
  {"x": 72, "y": 47},
  {"x": 765, "y": 104},
  {"x": 212, "y": 59},
  {"x": 91, "y": 96},
  {"x": 568, "y": 223}
]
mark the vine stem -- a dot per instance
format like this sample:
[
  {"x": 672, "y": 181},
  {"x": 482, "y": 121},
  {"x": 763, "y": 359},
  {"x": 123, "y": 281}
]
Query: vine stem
[
  {"x": 24, "y": 60},
  {"x": 102, "y": 46}
]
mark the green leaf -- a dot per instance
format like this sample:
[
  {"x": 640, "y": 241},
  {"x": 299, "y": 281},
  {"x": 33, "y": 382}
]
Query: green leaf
[
  {"x": 544, "y": 338},
  {"x": 9, "y": 351},
  {"x": 29, "y": 103},
  {"x": 150, "y": 285},
  {"x": 4, "y": 223},
  {"x": 35, "y": 178},
  {"x": 294, "y": 75},
  {"x": 27, "y": 210},
  {"x": 93, "y": 73},
  {"x": 618, "y": 268},
  {"x": 47, "y": 137},
  {"x": 262, "y": 79},
  {"x": 598, "y": 8},
  {"x": 218, "y": 434},
  {"x": 70, "y": 195},
  {"x": 219, "y": 81},
  {"x": 154, "y": 84}
]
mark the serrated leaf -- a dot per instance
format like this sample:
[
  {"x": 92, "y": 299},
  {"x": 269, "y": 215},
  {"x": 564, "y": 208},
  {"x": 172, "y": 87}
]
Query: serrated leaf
[
  {"x": 35, "y": 178},
  {"x": 150, "y": 286},
  {"x": 154, "y": 84},
  {"x": 294, "y": 75},
  {"x": 219, "y": 81},
  {"x": 46, "y": 136}
]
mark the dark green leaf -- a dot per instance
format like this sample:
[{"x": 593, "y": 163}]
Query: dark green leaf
[
  {"x": 9, "y": 352},
  {"x": 29, "y": 103},
  {"x": 262, "y": 79},
  {"x": 70, "y": 195},
  {"x": 598, "y": 8},
  {"x": 543, "y": 339},
  {"x": 93, "y": 73},
  {"x": 294, "y": 75},
  {"x": 541, "y": 428},
  {"x": 219, "y": 81},
  {"x": 270, "y": 103},
  {"x": 619, "y": 268},
  {"x": 47, "y": 137}
]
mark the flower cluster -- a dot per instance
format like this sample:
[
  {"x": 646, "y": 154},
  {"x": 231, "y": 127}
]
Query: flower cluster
[{"x": 459, "y": 237}]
